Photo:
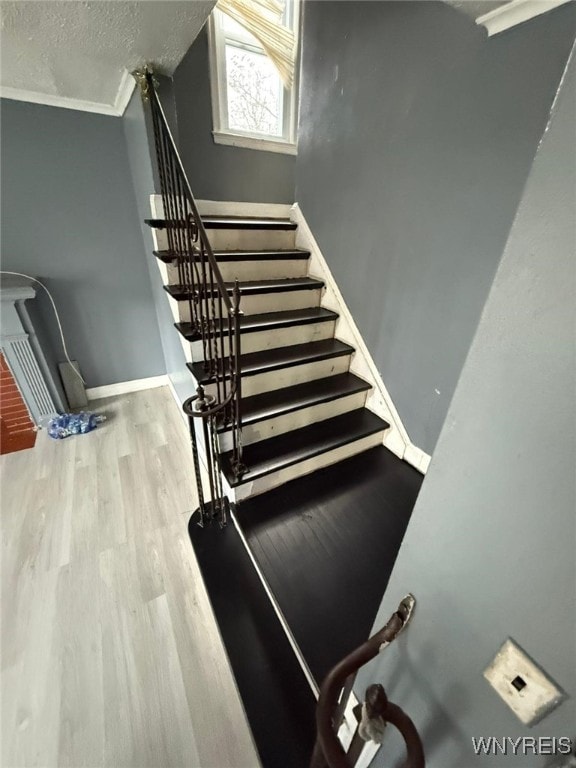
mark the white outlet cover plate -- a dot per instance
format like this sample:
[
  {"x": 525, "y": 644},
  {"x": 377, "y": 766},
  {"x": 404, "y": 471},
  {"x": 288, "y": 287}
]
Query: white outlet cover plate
[
  {"x": 539, "y": 696},
  {"x": 347, "y": 731}
]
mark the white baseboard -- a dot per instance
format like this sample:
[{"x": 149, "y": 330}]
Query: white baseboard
[
  {"x": 174, "y": 394},
  {"x": 417, "y": 458},
  {"x": 124, "y": 387},
  {"x": 396, "y": 439}
]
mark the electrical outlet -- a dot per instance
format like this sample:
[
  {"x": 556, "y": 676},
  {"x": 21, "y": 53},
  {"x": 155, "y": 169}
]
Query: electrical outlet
[{"x": 520, "y": 682}]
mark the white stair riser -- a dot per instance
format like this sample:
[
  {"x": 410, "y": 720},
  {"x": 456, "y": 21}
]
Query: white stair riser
[
  {"x": 295, "y": 374},
  {"x": 288, "y": 377},
  {"x": 253, "y": 433},
  {"x": 246, "y": 239},
  {"x": 308, "y": 466},
  {"x": 239, "y": 239},
  {"x": 258, "y": 303},
  {"x": 279, "y": 337},
  {"x": 249, "y": 270}
]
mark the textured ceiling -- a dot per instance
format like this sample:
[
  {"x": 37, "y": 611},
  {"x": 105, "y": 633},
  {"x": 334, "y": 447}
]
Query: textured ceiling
[
  {"x": 80, "y": 50},
  {"x": 475, "y": 8}
]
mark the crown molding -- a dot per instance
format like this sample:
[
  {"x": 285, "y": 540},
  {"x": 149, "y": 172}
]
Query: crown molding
[
  {"x": 123, "y": 95},
  {"x": 514, "y": 13}
]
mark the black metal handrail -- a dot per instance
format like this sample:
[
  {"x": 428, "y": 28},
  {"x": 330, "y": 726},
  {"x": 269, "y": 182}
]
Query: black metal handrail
[
  {"x": 337, "y": 686},
  {"x": 214, "y": 313}
]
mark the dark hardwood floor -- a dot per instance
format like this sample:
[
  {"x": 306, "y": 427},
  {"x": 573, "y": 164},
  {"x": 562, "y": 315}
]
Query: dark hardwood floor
[
  {"x": 277, "y": 698},
  {"x": 326, "y": 544}
]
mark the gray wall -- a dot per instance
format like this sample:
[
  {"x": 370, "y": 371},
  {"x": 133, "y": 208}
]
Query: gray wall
[
  {"x": 417, "y": 133},
  {"x": 218, "y": 172},
  {"x": 69, "y": 217},
  {"x": 489, "y": 551},
  {"x": 139, "y": 143}
]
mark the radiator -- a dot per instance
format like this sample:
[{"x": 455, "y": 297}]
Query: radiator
[{"x": 24, "y": 355}]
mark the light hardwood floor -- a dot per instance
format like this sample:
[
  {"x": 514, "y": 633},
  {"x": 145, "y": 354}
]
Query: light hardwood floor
[{"x": 110, "y": 653}]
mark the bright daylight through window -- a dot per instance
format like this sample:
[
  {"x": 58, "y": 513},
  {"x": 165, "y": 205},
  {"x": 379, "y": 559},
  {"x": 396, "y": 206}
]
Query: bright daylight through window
[{"x": 251, "y": 106}]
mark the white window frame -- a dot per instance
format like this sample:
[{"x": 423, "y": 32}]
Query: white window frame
[{"x": 222, "y": 133}]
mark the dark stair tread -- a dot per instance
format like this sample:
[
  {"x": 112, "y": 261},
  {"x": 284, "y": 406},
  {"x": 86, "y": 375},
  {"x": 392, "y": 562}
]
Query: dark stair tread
[
  {"x": 283, "y": 451},
  {"x": 254, "y": 287},
  {"x": 269, "y": 321},
  {"x": 274, "y": 359},
  {"x": 293, "y": 254},
  {"x": 281, "y": 401},
  {"x": 246, "y": 222},
  {"x": 231, "y": 222}
]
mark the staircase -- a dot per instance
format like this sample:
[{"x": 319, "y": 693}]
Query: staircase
[
  {"x": 280, "y": 422},
  {"x": 302, "y": 409}
]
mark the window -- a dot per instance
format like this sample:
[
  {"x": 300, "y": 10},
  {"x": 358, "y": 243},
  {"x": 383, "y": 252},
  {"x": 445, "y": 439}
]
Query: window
[{"x": 251, "y": 107}]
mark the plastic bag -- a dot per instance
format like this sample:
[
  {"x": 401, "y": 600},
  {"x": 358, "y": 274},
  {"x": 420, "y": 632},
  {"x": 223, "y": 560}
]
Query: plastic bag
[{"x": 74, "y": 424}]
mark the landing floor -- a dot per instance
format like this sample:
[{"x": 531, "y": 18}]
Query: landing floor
[{"x": 326, "y": 544}]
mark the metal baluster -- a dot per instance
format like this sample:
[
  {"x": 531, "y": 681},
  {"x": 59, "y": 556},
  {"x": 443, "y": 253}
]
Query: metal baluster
[
  {"x": 199, "y": 266},
  {"x": 170, "y": 214},
  {"x": 209, "y": 356},
  {"x": 222, "y": 352},
  {"x": 204, "y": 310},
  {"x": 215, "y": 322},
  {"x": 212, "y": 312},
  {"x": 161, "y": 171},
  {"x": 182, "y": 210},
  {"x": 218, "y": 473},
  {"x": 233, "y": 380},
  {"x": 239, "y": 468},
  {"x": 191, "y": 289},
  {"x": 176, "y": 214},
  {"x": 203, "y": 405},
  {"x": 197, "y": 471},
  {"x": 231, "y": 377}
]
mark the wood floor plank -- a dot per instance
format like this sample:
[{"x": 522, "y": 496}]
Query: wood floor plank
[
  {"x": 32, "y": 693},
  {"x": 111, "y": 657},
  {"x": 222, "y": 737},
  {"x": 112, "y": 527},
  {"x": 78, "y": 650}
]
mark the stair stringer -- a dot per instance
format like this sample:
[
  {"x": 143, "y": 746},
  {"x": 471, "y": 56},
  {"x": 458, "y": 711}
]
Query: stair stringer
[{"x": 396, "y": 439}]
